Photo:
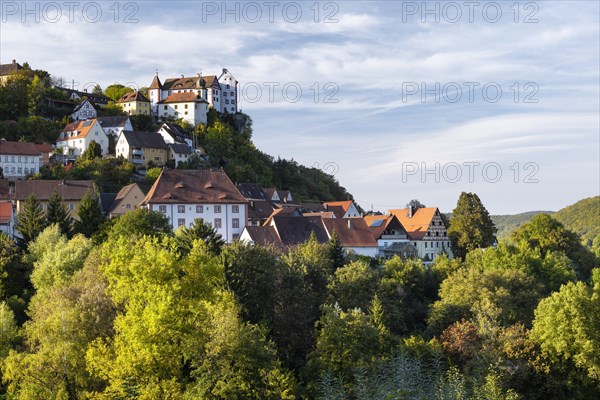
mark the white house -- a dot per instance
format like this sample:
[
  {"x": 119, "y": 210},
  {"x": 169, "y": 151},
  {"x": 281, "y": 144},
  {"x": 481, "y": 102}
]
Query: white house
[
  {"x": 113, "y": 126},
  {"x": 190, "y": 107},
  {"x": 77, "y": 136},
  {"x": 186, "y": 195},
  {"x": 221, "y": 93},
  {"x": 179, "y": 152},
  {"x": 342, "y": 209},
  {"x": 173, "y": 133},
  {"x": 18, "y": 160},
  {"x": 84, "y": 110}
]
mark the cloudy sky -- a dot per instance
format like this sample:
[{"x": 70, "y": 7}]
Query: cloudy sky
[{"x": 400, "y": 100}]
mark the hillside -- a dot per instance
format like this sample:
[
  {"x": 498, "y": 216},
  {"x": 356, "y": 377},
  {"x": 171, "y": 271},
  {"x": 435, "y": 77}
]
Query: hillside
[
  {"x": 583, "y": 218},
  {"x": 508, "y": 223}
]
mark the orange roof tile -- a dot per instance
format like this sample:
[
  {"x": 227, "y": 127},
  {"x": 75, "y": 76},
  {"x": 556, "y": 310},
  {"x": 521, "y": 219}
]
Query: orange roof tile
[
  {"x": 5, "y": 211},
  {"x": 185, "y": 97},
  {"x": 82, "y": 128},
  {"x": 418, "y": 224}
]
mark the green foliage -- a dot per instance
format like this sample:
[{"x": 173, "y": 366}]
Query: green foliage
[
  {"x": 57, "y": 213},
  {"x": 140, "y": 222},
  {"x": 31, "y": 221},
  {"x": 582, "y": 218},
  {"x": 144, "y": 123},
  {"x": 353, "y": 286},
  {"x": 547, "y": 234},
  {"x": 336, "y": 251},
  {"x": 90, "y": 215},
  {"x": 92, "y": 152},
  {"x": 470, "y": 226},
  {"x": 566, "y": 326},
  {"x": 116, "y": 91},
  {"x": 506, "y": 224},
  {"x": 198, "y": 230},
  {"x": 152, "y": 174}
]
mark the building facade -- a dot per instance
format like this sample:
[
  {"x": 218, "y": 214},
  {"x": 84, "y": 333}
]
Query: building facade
[
  {"x": 77, "y": 136},
  {"x": 19, "y": 160}
]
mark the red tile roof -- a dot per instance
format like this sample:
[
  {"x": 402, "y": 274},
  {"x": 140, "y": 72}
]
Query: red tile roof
[
  {"x": 193, "y": 187},
  {"x": 185, "y": 97},
  {"x": 6, "y": 209},
  {"x": 133, "y": 96},
  {"x": 81, "y": 129},
  {"x": 18, "y": 148},
  {"x": 42, "y": 189}
]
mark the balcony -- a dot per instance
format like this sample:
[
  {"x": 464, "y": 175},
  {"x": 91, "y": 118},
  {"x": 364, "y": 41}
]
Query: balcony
[{"x": 137, "y": 152}]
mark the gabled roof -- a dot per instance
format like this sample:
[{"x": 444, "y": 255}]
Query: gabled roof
[
  {"x": 6, "y": 209},
  {"x": 133, "y": 96},
  {"x": 193, "y": 187},
  {"x": 269, "y": 192},
  {"x": 42, "y": 189},
  {"x": 251, "y": 191},
  {"x": 339, "y": 208},
  {"x": 145, "y": 140},
  {"x": 18, "y": 148},
  {"x": 296, "y": 230},
  {"x": 260, "y": 209},
  {"x": 189, "y": 82},
  {"x": 378, "y": 224},
  {"x": 264, "y": 235},
  {"x": 44, "y": 147},
  {"x": 417, "y": 225},
  {"x": 81, "y": 104},
  {"x": 112, "y": 122},
  {"x": 185, "y": 97},
  {"x": 106, "y": 201},
  {"x": 175, "y": 131},
  {"x": 9, "y": 69},
  {"x": 122, "y": 194},
  {"x": 180, "y": 148},
  {"x": 97, "y": 98},
  {"x": 352, "y": 232},
  {"x": 81, "y": 128}
]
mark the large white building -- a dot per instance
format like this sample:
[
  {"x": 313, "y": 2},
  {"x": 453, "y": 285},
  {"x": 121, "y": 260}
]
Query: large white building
[
  {"x": 190, "y": 107},
  {"x": 186, "y": 195},
  {"x": 221, "y": 92},
  {"x": 77, "y": 136},
  {"x": 18, "y": 160}
]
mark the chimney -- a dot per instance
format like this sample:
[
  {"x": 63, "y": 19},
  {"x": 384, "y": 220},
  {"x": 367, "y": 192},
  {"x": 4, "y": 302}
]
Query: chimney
[
  {"x": 182, "y": 76},
  {"x": 14, "y": 61},
  {"x": 410, "y": 211},
  {"x": 224, "y": 70}
]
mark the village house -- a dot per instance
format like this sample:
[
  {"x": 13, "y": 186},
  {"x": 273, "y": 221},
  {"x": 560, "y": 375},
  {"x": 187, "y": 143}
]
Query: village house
[
  {"x": 76, "y": 137},
  {"x": 134, "y": 103},
  {"x": 190, "y": 107},
  {"x": 98, "y": 99},
  {"x": 71, "y": 192},
  {"x": 259, "y": 207},
  {"x": 128, "y": 198},
  {"x": 392, "y": 238},
  {"x": 84, "y": 110},
  {"x": 6, "y": 70},
  {"x": 285, "y": 231},
  {"x": 426, "y": 230},
  {"x": 173, "y": 133},
  {"x": 342, "y": 209},
  {"x": 6, "y": 208},
  {"x": 186, "y": 195},
  {"x": 113, "y": 126},
  {"x": 19, "y": 160},
  {"x": 142, "y": 148},
  {"x": 179, "y": 153}
]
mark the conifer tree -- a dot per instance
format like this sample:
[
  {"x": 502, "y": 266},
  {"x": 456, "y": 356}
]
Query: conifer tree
[
  {"x": 30, "y": 221},
  {"x": 336, "y": 251},
  {"x": 57, "y": 214},
  {"x": 90, "y": 215}
]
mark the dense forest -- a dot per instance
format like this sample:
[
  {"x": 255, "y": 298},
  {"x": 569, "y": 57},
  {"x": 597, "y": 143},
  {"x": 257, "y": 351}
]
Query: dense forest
[
  {"x": 508, "y": 223},
  {"x": 27, "y": 114},
  {"x": 127, "y": 309}
]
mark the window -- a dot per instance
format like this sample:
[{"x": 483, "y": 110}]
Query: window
[
  {"x": 235, "y": 209},
  {"x": 26, "y": 171},
  {"x": 181, "y": 222},
  {"x": 225, "y": 94},
  {"x": 227, "y": 101},
  {"x": 19, "y": 158},
  {"x": 71, "y": 206},
  {"x": 186, "y": 106},
  {"x": 232, "y": 94},
  {"x": 437, "y": 244},
  {"x": 176, "y": 106},
  {"x": 232, "y": 109},
  {"x": 165, "y": 108},
  {"x": 217, "y": 209},
  {"x": 235, "y": 236},
  {"x": 425, "y": 244},
  {"x": 217, "y": 223},
  {"x": 199, "y": 209},
  {"x": 228, "y": 87},
  {"x": 162, "y": 209},
  {"x": 128, "y": 206},
  {"x": 235, "y": 223}
]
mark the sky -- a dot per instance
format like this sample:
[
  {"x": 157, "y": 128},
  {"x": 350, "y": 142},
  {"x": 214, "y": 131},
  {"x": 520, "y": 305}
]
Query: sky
[{"x": 399, "y": 100}]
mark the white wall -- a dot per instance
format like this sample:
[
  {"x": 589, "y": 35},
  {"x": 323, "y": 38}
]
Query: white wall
[
  {"x": 15, "y": 166},
  {"x": 208, "y": 214}
]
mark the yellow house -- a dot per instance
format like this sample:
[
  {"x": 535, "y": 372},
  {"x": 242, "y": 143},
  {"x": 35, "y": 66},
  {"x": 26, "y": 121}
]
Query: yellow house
[
  {"x": 6, "y": 70},
  {"x": 128, "y": 198},
  {"x": 134, "y": 103},
  {"x": 140, "y": 148},
  {"x": 71, "y": 192}
]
